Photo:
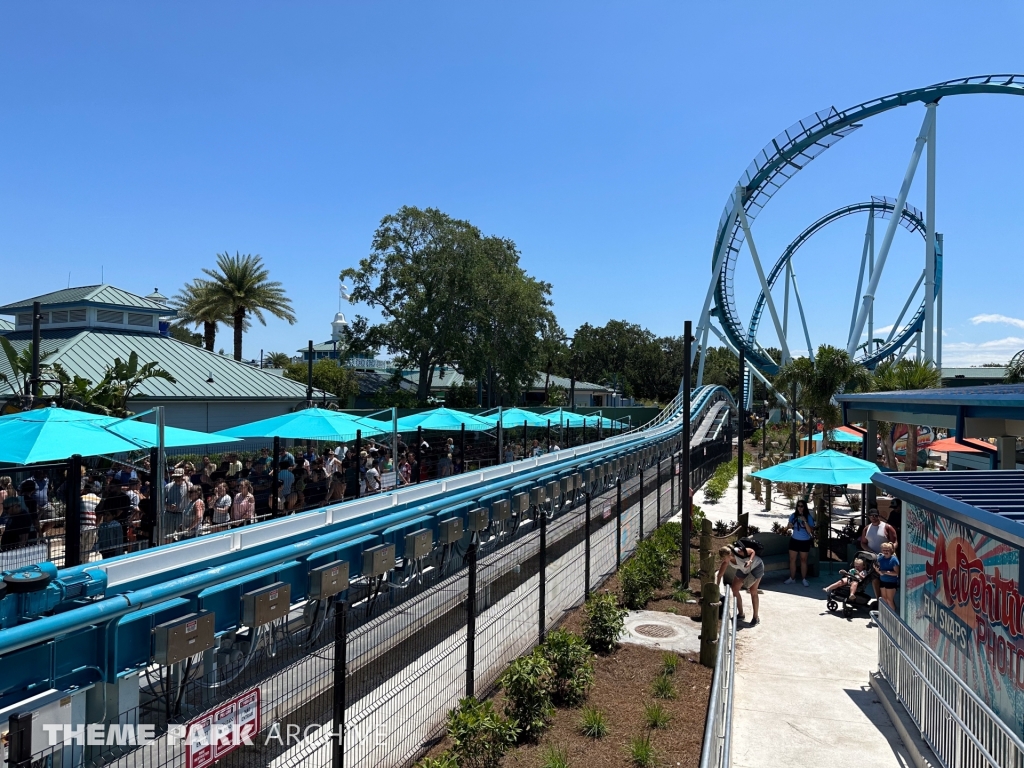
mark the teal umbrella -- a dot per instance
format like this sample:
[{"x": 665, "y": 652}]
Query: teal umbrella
[
  {"x": 54, "y": 434},
  {"x": 823, "y": 467},
  {"x": 838, "y": 436},
  {"x": 514, "y": 417},
  {"x": 570, "y": 419},
  {"x": 310, "y": 424},
  {"x": 443, "y": 420}
]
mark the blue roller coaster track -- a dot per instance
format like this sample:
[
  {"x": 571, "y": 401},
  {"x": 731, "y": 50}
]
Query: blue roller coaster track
[{"x": 790, "y": 152}]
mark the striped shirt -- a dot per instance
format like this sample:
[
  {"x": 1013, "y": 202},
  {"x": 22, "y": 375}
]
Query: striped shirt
[
  {"x": 89, "y": 502},
  {"x": 242, "y": 507}
]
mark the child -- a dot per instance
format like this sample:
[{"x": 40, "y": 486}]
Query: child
[
  {"x": 887, "y": 568},
  {"x": 853, "y": 578}
]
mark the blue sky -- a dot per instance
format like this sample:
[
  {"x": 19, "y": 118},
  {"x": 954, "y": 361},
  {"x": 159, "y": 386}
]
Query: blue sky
[{"x": 603, "y": 138}]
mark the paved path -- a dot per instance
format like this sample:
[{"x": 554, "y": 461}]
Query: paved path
[{"x": 802, "y": 693}]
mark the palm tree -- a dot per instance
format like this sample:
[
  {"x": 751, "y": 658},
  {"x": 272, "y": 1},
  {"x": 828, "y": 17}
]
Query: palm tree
[
  {"x": 196, "y": 307},
  {"x": 898, "y": 376},
  {"x": 832, "y": 372},
  {"x": 240, "y": 287},
  {"x": 1015, "y": 369},
  {"x": 276, "y": 360}
]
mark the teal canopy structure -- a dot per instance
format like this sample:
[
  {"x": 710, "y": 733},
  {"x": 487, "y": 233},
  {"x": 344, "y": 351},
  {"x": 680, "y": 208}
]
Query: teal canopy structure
[
  {"x": 443, "y": 420},
  {"x": 838, "y": 436},
  {"x": 515, "y": 417},
  {"x": 569, "y": 419},
  {"x": 310, "y": 424},
  {"x": 55, "y": 434},
  {"x": 823, "y": 467}
]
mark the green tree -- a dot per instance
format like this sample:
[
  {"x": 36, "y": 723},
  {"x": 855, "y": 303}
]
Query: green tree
[
  {"x": 817, "y": 383},
  {"x": 449, "y": 296},
  {"x": 461, "y": 395},
  {"x": 329, "y": 376},
  {"x": 20, "y": 364},
  {"x": 241, "y": 286},
  {"x": 196, "y": 307},
  {"x": 898, "y": 376},
  {"x": 277, "y": 360},
  {"x": 181, "y": 333}
]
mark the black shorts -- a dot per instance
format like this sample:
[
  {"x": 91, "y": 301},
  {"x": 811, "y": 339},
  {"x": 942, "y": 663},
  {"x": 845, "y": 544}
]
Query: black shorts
[
  {"x": 889, "y": 584},
  {"x": 799, "y": 545}
]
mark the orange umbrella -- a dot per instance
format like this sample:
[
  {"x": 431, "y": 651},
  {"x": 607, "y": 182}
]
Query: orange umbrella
[{"x": 950, "y": 445}]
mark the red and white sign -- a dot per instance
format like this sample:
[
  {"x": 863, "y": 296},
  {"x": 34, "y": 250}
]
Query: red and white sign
[{"x": 222, "y": 730}]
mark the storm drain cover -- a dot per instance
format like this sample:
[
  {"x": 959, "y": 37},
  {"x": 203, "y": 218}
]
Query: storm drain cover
[{"x": 654, "y": 630}]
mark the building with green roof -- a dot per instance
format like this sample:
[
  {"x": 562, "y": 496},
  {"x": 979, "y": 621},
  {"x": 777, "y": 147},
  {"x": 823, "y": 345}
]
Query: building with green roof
[{"x": 85, "y": 328}]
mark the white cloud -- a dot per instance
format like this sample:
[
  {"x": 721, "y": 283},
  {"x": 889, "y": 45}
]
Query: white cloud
[
  {"x": 965, "y": 353},
  {"x": 1005, "y": 319}
]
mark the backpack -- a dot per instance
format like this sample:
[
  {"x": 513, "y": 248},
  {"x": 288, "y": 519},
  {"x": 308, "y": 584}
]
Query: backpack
[{"x": 751, "y": 543}]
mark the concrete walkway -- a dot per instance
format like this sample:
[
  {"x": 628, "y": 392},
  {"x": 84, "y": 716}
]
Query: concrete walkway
[{"x": 802, "y": 693}]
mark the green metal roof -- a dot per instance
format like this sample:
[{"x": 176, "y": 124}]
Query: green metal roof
[
  {"x": 87, "y": 353},
  {"x": 6, "y": 325},
  {"x": 88, "y": 294}
]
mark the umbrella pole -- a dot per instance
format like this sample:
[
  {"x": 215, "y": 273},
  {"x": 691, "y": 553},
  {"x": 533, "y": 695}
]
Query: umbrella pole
[
  {"x": 462, "y": 446},
  {"x": 159, "y": 476},
  {"x": 524, "y": 439},
  {"x": 828, "y": 530},
  {"x": 549, "y": 436},
  {"x": 394, "y": 442}
]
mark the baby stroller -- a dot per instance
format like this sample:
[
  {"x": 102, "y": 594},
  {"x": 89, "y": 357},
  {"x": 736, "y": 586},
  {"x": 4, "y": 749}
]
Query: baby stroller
[{"x": 861, "y": 602}]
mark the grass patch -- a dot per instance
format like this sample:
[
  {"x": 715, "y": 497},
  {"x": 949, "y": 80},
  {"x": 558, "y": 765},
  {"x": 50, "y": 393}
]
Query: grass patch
[
  {"x": 593, "y": 723},
  {"x": 656, "y": 716},
  {"x": 663, "y": 688}
]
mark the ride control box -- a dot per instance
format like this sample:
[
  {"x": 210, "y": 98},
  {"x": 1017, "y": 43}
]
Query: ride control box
[
  {"x": 177, "y": 640},
  {"x": 419, "y": 543},
  {"x": 520, "y": 504},
  {"x": 500, "y": 510},
  {"x": 378, "y": 560},
  {"x": 450, "y": 530},
  {"x": 479, "y": 519},
  {"x": 266, "y": 604},
  {"x": 328, "y": 580}
]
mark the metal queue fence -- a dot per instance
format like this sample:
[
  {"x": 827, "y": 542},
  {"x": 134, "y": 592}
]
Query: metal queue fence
[
  {"x": 717, "y": 748},
  {"x": 961, "y": 729},
  {"x": 367, "y": 678}
]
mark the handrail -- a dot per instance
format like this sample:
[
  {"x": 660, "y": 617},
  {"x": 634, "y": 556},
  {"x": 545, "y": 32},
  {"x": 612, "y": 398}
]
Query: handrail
[
  {"x": 931, "y": 729},
  {"x": 717, "y": 749}
]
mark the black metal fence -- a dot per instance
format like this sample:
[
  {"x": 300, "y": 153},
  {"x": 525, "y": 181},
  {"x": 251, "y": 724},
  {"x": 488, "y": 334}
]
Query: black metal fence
[{"x": 368, "y": 680}]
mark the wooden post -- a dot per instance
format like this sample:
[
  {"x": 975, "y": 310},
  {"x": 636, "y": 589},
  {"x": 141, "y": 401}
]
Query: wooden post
[
  {"x": 709, "y": 601},
  {"x": 707, "y": 557}
]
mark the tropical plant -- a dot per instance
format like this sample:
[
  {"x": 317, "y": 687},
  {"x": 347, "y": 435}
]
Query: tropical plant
[
  {"x": 526, "y": 684},
  {"x": 111, "y": 394},
  {"x": 479, "y": 735},
  {"x": 555, "y": 757},
  {"x": 903, "y": 375},
  {"x": 276, "y": 360},
  {"x": 571, "y": 667},
  {"x": 640, "y": 751},
  {"x": 444, "y": 760},
  {"x": 656, "y": 716},
  {"x": 241, "y": 287},
  {"x": 603, "y": 621},
  {"x": 328, "y": 376},
  {"x": 817, "y": 382},
  {"x": 663, "y": 688},
  {"x": 593, "y": 723},
  {"x": 197, "y": 307},
  {"x": 669, "y": 663},
  {"x": 20, "y": 364},
  {"x": 1015, "y": 369},
  {"x": 461, "y": 395}
]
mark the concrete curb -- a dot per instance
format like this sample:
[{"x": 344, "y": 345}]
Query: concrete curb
[{"x": 918, "y": 750}]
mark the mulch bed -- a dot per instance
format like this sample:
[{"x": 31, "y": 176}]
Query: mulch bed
[{"x": 622, "y": 687}]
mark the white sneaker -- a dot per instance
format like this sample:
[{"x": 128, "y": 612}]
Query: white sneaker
[
  {"x": 806, "y": 584},
  {"x": 788, "y": 581}
]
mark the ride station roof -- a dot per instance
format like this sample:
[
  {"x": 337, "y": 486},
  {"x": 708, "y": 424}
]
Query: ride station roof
[
  {"x": 989, "y": 500},
  {"x": 988, "y": 411}
]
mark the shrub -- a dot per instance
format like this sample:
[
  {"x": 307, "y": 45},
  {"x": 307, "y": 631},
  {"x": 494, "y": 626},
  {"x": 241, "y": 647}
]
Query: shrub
[
  {"x": 656, "y": 716},
  {"x": 752, "y": 529},
  {"x": 603, "y": 621},
  {"x": 720, "y": 481},
  {"x": 479, "y": 735},
  {"x": 696, "y": 518},
  {"x": 668, "y": 539},
  {"x": 778, "y": 528},
  {"x": 444, "y": 760},
  {"x": 527, "y": 700},
  {"x": 669, "y": 663},
  {"x": 571, "y": 667},
  {"x": 593, "y": 723},
  {"x": 662, "y": 688},
  {"x": 722, "y": 528},
  {"x": 681, "y": 594},
  {"x": 641, "y": 753},
  {"x": 555, "y": 757},
  {"x": 636, "y": 587}
]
